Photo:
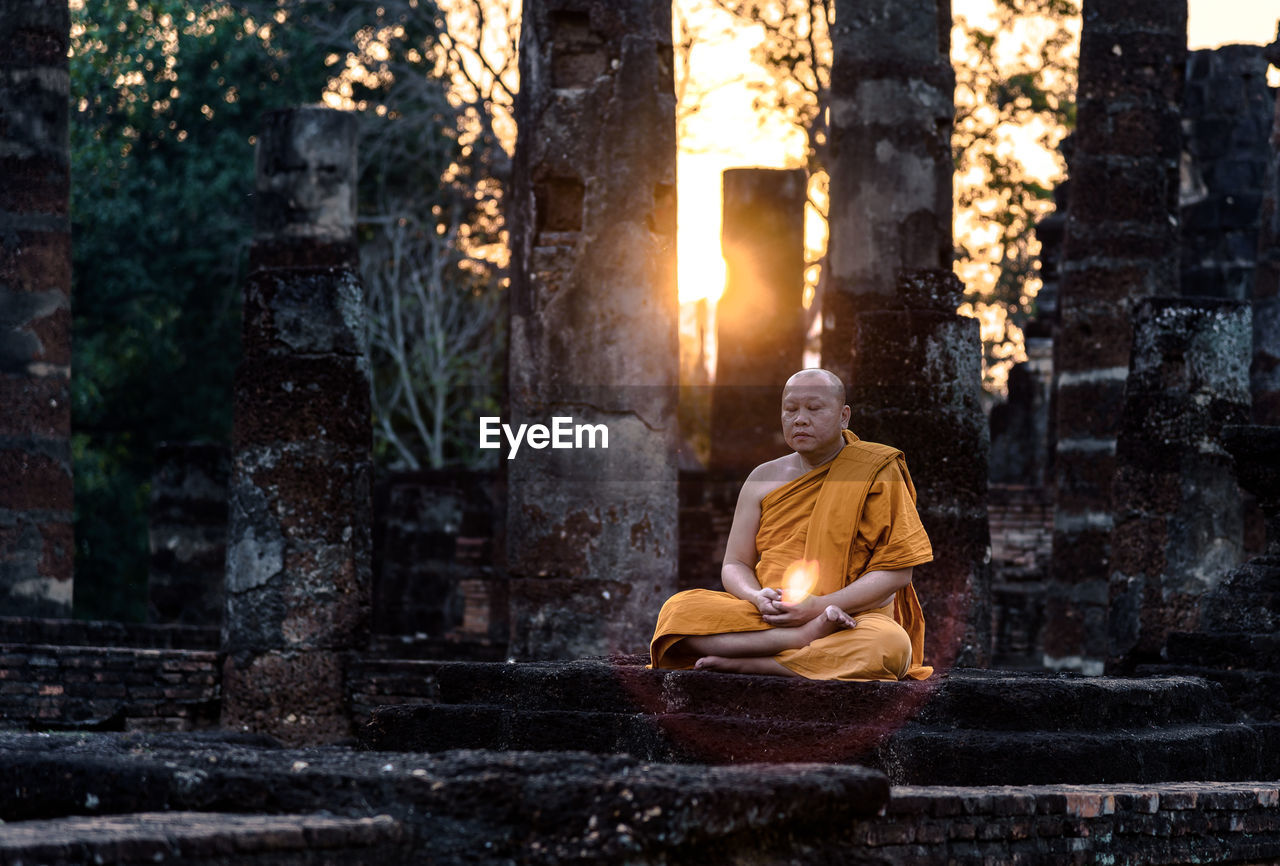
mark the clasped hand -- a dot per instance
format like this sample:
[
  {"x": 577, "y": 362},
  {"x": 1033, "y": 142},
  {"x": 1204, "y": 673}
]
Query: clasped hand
[{"x": 776, "y": 612}]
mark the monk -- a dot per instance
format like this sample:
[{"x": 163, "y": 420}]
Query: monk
[{"x": 817, "y": 569}]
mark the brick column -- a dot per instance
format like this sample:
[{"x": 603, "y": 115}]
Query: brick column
[
  {"x": 917, "y": 374},
  {"x": 1265, "y": 372},
  {"x": 37, "y": 550},
  {"x": 591, "y": 532},
  {"x": 912, "y": 366},
  {"x": 1120, "y": 245},
  {"x": 760, "y": 317},
  {"x": 299, "y": 539},
  {"x": 1179, "y": 524}
]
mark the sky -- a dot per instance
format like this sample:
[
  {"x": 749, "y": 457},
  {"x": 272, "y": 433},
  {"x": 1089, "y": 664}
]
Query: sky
[{"x": 707, "y": 150}]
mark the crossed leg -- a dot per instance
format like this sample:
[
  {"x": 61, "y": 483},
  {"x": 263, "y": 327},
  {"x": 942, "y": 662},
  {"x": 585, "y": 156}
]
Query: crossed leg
[{"x": 751, "y": 652}]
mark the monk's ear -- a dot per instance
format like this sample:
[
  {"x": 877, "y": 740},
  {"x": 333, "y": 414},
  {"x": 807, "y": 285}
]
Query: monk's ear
[{"x": 845, "y": 414}]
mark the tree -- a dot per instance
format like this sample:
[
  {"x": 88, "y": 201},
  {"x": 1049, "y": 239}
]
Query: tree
[
  {"x": 168, "y": 97},
  {"x": 1015, "y": 101},
  {"x": 433, "y": 242}
]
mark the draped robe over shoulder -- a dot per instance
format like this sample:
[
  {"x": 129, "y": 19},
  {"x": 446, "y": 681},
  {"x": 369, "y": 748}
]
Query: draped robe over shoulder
[{"x": 853, "y": 515}]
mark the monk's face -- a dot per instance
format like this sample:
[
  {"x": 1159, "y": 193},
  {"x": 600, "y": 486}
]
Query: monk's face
[{"x": 812, "y": 416}]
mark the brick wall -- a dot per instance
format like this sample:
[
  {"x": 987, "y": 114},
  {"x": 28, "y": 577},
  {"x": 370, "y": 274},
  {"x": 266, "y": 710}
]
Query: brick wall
[
  {"x": 1166, "y": 823},
  {"x": 1021, "y": 544},
  {"x": 72, "y": 674}
]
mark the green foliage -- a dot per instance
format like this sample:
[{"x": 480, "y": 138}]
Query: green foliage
[
  {"x": 166, "y": 101},
  {"x": 166, "y": 97},
  {"x": 1017, "y": 74}
]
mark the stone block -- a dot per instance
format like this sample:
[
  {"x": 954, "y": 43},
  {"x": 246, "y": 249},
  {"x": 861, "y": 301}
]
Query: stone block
[
  {"x": 261, "y": 694},
  {"x": 34, "y": 261},
  {"x": 315, "y": 399},
  {"x": 301, "y": 311}
]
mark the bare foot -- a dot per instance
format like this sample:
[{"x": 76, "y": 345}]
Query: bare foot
[
  {"x": 828, "y": 622},
  {"x": 742, "y": 666}
]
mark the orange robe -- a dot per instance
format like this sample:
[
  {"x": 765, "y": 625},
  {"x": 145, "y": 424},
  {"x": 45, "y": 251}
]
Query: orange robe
[{"x": 853, "y": 515}]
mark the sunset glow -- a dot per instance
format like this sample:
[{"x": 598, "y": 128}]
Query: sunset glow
[{"x": 728, "y": 128}]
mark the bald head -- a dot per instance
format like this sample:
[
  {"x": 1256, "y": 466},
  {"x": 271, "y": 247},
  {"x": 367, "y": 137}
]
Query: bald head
[
  {"x": 814, "y": 415},
  {"x": 819, "y": 377}
]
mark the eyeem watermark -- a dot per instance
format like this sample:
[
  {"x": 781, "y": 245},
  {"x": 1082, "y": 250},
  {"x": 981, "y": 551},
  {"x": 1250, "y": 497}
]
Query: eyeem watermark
[{"x": 562, "y": 433}]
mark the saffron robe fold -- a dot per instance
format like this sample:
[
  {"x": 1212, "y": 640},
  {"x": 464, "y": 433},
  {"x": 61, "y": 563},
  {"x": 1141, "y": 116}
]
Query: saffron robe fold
[{"x": 853, "y": 515}]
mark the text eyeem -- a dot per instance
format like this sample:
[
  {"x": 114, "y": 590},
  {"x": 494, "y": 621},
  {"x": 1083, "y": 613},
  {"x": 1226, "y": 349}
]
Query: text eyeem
[{"x": 562, "y": 433}]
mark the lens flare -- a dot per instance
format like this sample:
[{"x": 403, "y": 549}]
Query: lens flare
[{"x": 799, "y": 580}]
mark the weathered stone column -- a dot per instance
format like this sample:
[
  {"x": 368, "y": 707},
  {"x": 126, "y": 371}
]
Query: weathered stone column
[
  {"x": 298, "y": 547},
  {"x": 592, "y": 531},
  {"x": 890, "y": 329},
  {"x": 1226, "y": 121},
  {"x": 188, "y": 533},
  {"x": 1179, "y": 524},
  {"x": 760, "y": 317},
  {"x": 36, "y": 545},
  {"x": 1265, "y": 372},
  {"x": 917, "y": 373},
  {"x": 891, "y": 113},
  {"x": 1120, "y": 245}
]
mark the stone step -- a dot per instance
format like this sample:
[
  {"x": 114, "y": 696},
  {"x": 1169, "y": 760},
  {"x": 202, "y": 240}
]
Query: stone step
[
  {"x": 911, "y": 754},
  {"x": 1232, "y": 650},
  {"x": 196, "y": 837},
  {"x": 1253, "y": 694},
  {"x": 986, "y": 700}
]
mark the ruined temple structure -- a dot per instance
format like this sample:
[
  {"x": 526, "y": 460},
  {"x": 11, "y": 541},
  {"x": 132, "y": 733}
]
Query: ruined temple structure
[
  {"x": 760, "y": 319},
  {"x": 1236, "y": 635},
  {"x": 464, "y": 761},
  {"x": 913, "y": 366},
  {"x": 36, "y": 545},
  {"x": 591, "y": 532},
  {"x": 298, "y": 546},
  {"x": 1265, "y": 373},
  {"x": 1227, "y": 116},
  {"x": 1178, "y": 516},
  {"x": 1120, "y": 245}
]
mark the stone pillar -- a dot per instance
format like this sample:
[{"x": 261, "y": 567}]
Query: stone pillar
[
  {"x": 1120, "y": 245},
  {"x": 188, "y": 533},
  {"x": 760, "y": 317},
  {"x": 891, "y": 113},
  {"x": 1265, "y": 372},
  {"x": 592, "y": 531},
  {"x": 1226, "y": 118},
  {"x": 1178, "y": 519},
  {"x": 299, "y": 539},
  {"x": 917, "y": 374},
  {"x": 36, "y": 545}
]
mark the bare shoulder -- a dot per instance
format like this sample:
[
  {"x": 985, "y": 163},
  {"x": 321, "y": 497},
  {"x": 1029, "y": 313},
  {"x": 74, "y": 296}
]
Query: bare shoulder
[{"x": 768, "y": 477}]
